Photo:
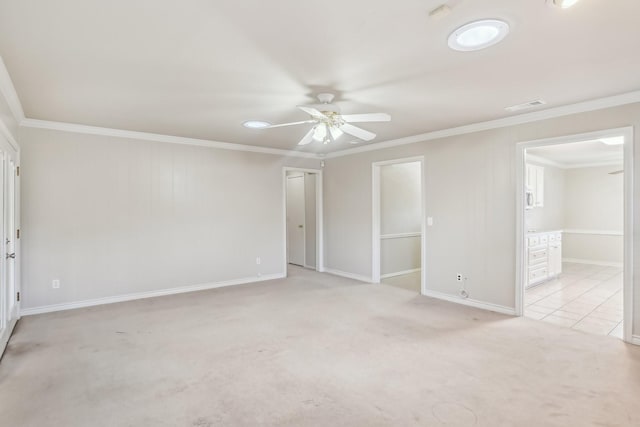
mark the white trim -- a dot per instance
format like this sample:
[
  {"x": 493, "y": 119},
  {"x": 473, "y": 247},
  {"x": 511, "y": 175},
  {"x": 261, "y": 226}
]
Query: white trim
[
  {"x": 375, "y": 216},
  {"x": 4, "y": 131},
  {"x": 8, "y": 90},
  {"x": 6, "y": 335},
  {"x": 400, "y": 273},
  {"x": 145, "y": 136},
  {"x": 550, "y": 113},
  {"x": 635, "y": 340},
  {"x": 543, "y": 161},
  {"x": 593, "y": 262},
  {"x": 399, "y": 235},
  {"x": 319, "y": 217},
  {"x": 595, "y": 164},
  {"x": 628, "y": 209},
  {"x": 149, "y": 294},
  {"x": 470, "y": 302},
  {"x": 594, "y": 232},
  {"x": 346, "y": 275}
]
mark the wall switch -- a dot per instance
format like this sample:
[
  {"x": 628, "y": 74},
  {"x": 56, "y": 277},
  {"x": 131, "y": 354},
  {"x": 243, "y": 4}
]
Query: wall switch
[
  {"x": 459, "y": 277},
  {"x": 430, "y": 221},
  {"x": 55, "y": 284},
  {"x": 258, "y": 261}
]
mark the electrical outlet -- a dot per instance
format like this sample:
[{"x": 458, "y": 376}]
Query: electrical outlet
[
  {"x": 459, "y": 277},
  {"x": 258, "y": 261},
  {"x": 55, "y": 284}
]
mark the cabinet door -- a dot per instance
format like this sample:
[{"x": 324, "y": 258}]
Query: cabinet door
[{"x": 555, "y": 259}]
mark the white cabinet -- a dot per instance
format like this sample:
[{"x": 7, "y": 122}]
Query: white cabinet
[
  {"x": 544, "y": 256},
  {"x": 535, "y": 184}
]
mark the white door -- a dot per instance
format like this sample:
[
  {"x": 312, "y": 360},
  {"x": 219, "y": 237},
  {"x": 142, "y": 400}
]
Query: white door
[
  {"x": 9, "y": 302},
  {"x": 295, "y": 219},
  {"x": 10, "y": 238}
]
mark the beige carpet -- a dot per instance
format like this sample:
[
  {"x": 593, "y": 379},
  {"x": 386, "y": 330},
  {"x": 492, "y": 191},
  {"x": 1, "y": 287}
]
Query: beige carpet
[{"x": 311, "y": 350}]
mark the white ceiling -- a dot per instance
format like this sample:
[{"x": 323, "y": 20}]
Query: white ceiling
[
  {"x": 199, "y": 68},
  {"x": 580, "y": 154}
]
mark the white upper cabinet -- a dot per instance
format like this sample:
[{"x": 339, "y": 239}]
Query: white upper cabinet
[{"x": 535, "y": 184}]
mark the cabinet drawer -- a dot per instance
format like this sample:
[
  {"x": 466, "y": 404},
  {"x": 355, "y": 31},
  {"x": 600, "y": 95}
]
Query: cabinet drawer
[
  {"x": 558, "y": 237},
  {"x": 544, "y": 239},
  {"x": 538, "y": 256},
  {"x": 533, "y": 241},
  {"x": 537, "y": 275}
]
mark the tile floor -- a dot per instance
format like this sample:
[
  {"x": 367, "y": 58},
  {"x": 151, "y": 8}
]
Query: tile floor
[{"x": 585, "y": 297}]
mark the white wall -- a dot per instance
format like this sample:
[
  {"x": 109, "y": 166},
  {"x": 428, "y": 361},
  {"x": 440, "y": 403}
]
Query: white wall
[
  {"x": 594, "y": 202},
  {"x": 550, "y": 216},
  {"x": 471, "y": 191},
  {"x": 110, "y": 216}
]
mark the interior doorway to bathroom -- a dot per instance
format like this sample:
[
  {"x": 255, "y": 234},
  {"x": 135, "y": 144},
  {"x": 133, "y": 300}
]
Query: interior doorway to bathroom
[{"x": 398, "y": 223}]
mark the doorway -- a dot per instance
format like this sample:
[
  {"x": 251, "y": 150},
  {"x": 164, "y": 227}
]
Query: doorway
[
  {"x": 398, "y": 240},
  {"x": 303, "y": 219},
  {"x": 575, "y": 230},
  {"x": 9, "y": 280}
]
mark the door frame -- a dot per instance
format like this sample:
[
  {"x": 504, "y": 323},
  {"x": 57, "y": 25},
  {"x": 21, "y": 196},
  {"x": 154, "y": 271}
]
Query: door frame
[
  {"x": 375, "y": 219},
  {"x": 319, "y": 218},
  {"x": 628, "y": 257},
  {"x": 10, "y": 153}
]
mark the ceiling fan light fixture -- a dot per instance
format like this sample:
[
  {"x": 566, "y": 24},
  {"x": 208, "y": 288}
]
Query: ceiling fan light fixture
[
  {"x": 478, "y": 35},
  {"x": 320, "y": 132},
  {"x": 563, "y": 4},
  {"x": 256, "y": 124},
  {"x": 335, "y": 132}
]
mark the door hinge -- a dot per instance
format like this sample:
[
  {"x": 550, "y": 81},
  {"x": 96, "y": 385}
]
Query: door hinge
[
  {"x": 18, "y": 296},
  {"x": 18, "y": 171},
  {"x": 18, "y": 233}
]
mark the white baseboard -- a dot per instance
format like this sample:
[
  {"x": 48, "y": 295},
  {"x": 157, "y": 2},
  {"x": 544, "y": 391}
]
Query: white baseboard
[
  {"x": 400, "y": 273},
  {"x": 149, "y": 294},
  {"x": 6, "y": 334},
  {"x": 588, "y": 261},
  {"x": 635, "y": 339},
  {"x": 348, "y": 275},
  {"x": 471, "y": 302}
]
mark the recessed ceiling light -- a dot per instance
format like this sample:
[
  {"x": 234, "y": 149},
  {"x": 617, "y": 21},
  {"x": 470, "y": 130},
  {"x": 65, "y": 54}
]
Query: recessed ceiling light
[
  {"x": 478, "y": 35},
  {"x": 563, "y": 4},
  {"x": 614, "y": 140},
  {"x": 256, "y": 124}
]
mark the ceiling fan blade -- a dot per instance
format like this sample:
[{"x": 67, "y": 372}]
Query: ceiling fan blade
[
  {"x": 308, "y": 137},
  {"x": 357, "y": 132},
  {"x": 289, "y": 124},
  {"x": 313, "y": 112},
  {"x": 369, "y": 117}
]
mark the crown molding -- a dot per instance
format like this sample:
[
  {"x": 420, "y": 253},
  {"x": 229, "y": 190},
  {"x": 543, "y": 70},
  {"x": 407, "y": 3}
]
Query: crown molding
[
  {"x": 8, "y": 90},
  {"x": 550, "y": 113},
  {"x": 145, "y": 136}
]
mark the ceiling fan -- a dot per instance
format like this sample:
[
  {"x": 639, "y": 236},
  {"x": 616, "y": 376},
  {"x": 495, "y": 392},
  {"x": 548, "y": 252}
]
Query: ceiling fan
[{"x": 330, "y": 123}]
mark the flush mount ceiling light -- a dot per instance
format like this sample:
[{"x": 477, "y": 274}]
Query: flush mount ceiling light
[
  {"x": 614, "y": 140},
  {"x": 563, "y": 4},
  {"x": 256, "y": 124},
  {"x": 478, "y": 35}
]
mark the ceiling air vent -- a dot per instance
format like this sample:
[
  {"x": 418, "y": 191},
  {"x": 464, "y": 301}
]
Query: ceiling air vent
[{"x": 526, "y": 105}]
